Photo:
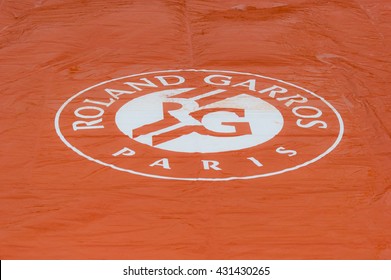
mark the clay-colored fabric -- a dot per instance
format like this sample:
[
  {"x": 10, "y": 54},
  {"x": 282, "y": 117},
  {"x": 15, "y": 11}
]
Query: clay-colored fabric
[{"x": 56, "y": 204}]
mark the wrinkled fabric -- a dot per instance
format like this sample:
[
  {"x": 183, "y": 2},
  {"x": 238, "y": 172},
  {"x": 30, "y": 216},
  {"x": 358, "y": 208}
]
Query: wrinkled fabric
[{"x": 55, "y": 204}]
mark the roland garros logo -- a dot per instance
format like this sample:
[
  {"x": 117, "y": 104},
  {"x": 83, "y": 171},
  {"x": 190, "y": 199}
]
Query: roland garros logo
[{"x": 199, "y": 125}]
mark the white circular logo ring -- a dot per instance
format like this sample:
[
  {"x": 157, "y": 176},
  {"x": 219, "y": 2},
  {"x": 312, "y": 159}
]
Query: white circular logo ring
[{"x": 208, "y": 125}]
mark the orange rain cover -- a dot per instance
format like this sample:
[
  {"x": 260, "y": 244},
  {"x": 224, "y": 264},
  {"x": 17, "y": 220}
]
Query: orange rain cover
[{"x": 198, "y": 129}]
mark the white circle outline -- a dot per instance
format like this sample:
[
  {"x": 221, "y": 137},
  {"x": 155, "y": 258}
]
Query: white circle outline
[{"x": 332, "y": 147}]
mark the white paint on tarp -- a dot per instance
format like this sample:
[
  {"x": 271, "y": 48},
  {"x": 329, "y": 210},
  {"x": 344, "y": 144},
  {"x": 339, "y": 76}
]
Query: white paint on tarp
[{"x": 274, "y": 92}]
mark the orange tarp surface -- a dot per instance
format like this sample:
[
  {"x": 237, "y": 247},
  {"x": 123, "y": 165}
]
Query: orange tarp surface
[{"x": 197, "y": 129}]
